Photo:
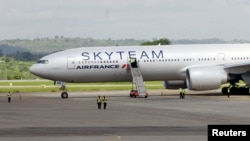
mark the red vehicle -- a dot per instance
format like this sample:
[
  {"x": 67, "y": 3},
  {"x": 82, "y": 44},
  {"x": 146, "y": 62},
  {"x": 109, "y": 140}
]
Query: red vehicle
[{"x": 134, "y": 93}]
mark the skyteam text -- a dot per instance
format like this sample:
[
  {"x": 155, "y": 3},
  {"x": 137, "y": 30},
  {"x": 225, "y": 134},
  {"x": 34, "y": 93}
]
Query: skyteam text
[{"x": 122, "y": 55}]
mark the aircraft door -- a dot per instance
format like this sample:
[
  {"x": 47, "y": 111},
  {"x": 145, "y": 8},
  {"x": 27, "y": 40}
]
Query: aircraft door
[
  {"x": 133, "y": 62},
  {"x": 221, "y": 58},
  {"x": 71, "y": 62}
]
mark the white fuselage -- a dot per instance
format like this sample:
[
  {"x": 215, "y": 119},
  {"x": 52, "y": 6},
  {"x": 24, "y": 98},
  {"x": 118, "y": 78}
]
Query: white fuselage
[{"x": 103, "y": 64}]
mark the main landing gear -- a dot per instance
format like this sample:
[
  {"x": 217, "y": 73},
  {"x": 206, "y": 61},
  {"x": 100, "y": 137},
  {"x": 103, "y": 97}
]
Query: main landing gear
[{"x": 235, "y": 90}]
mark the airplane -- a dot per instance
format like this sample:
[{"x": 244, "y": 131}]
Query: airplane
[{"x": 195, "y": 67}]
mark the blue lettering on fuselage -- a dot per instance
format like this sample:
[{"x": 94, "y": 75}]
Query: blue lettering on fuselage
[
  {"x": 157, "y": 56},
  {"x": 121, "y": 54},
  {"x": 113, "y": 66},
  {"x": 131, "y": 54},
  {"x": 109, "y": 54},
  {"x": 85, "y": 55},
  {"x": 96, "y": 55},
  {"x": 144, "y": 55}
]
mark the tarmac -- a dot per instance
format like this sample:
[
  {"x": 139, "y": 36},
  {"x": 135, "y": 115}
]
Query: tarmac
[{"x": 160, "y": 117}]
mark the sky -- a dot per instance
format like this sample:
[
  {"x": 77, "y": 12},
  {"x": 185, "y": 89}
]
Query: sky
[{"x": 125, "y": 19}]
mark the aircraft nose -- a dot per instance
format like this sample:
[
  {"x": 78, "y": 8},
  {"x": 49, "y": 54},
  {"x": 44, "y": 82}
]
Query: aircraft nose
[{"x": 36, "y": 70}]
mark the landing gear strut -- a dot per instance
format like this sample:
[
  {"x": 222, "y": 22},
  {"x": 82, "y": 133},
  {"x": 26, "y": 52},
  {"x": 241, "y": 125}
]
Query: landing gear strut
[{"x": 64, "y": 93}]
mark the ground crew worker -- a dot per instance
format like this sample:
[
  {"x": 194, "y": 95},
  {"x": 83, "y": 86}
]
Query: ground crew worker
[
  {"x": 9, "y": 97},
  {"x": 99, "y": 102},
  {"x": 133, "y": 62},
  {"x": 104, "y": 100},
  {"x": 180, "y": 90},
  {"x": 229, "y": 91}
]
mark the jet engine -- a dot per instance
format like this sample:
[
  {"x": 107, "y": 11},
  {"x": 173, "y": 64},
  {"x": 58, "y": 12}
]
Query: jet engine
[
  {"x": 174, "y": 84},
  {"x": 205, "y": 78}
]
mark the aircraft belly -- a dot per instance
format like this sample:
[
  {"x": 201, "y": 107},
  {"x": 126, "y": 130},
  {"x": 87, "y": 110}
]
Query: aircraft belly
[
  {"x": 162, "y": 76},
  {"x": 161, "y": 72}
]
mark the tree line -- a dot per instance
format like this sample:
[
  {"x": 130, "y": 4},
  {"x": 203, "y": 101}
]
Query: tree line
[
  {"x": 11, "y": 69},
  {"x": 31, "y": 50}
]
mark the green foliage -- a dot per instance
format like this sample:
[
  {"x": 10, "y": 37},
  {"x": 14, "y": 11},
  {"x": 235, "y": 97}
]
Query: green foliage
[
  {"x": 11, "y": 69},
  {"x": 156, "y": 42},
  {"x": 19, "y": 86}
]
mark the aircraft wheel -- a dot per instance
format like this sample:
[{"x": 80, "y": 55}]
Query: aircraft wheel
[{"x": 64, "y": 95}]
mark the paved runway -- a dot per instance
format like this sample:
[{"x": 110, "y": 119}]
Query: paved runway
[{"x": 160, "y": 117}]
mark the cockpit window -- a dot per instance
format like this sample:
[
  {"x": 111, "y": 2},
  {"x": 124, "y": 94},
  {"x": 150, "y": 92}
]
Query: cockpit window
[{"x": 42, "y": 62}]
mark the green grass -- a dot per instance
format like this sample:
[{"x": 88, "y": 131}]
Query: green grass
[
  {"x": 48, "y": 86},
  {"x": 29, "y": 86}
]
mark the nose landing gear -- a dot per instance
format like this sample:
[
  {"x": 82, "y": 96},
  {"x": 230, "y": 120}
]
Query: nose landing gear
[{"x": 64, "y": 93}]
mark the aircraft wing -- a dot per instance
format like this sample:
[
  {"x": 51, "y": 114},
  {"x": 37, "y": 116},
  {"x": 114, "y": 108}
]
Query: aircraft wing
[
  {"x": 242, "y": 69},
  {"x": 237, "y": 68}
]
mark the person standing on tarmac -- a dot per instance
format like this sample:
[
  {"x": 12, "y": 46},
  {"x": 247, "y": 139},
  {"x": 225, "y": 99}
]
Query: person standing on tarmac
[
  {"x": 99, "y": 102},
  {"x": 9, "y": 96},
  {"x": 180, "y": 90},
  {"x": 228, "y": 91},
  {"x": 182, "y": 93},
  {"x": 104, "y": 100}
]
